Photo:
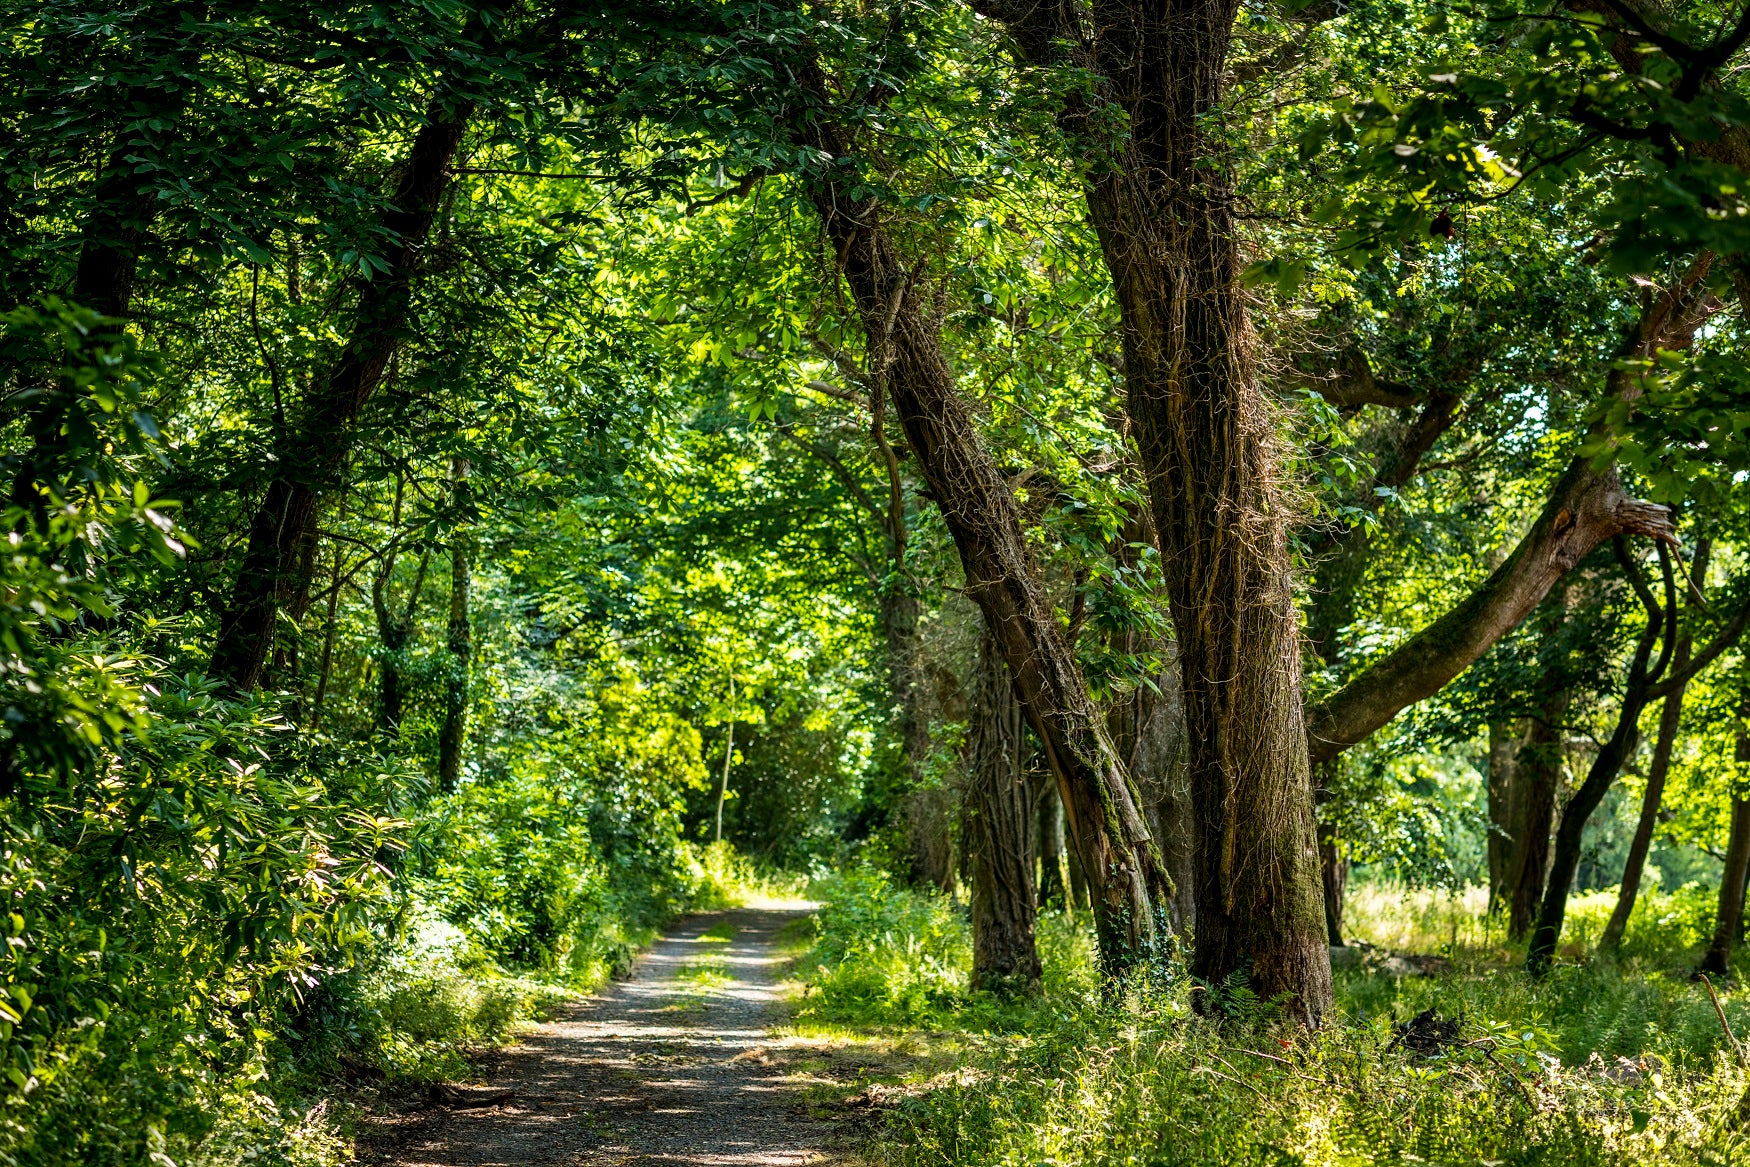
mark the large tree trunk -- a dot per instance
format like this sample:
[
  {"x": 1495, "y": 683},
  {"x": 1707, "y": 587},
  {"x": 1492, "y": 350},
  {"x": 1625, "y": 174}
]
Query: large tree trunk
[
  {"x": 1670, "y": 718},
  {"x": 1206, "y": 438},
  {"x": 1105, "y": 820},
  {"x": 453, "y": 734},
  {"x": 313, "y": 456},
  {"x": 1205, "y": 435},
  {"x": 999, "y": 829}
]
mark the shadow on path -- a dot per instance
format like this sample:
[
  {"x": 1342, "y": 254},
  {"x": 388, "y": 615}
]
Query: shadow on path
[{"x": 665, "y": 1067}]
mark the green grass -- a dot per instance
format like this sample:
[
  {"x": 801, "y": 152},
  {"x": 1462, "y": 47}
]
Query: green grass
[{"x": 1608, "y": 1062}]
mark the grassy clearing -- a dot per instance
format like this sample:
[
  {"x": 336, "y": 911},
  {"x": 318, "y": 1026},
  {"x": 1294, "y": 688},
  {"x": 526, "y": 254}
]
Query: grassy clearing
[{"x": 1603, "y": 1062}]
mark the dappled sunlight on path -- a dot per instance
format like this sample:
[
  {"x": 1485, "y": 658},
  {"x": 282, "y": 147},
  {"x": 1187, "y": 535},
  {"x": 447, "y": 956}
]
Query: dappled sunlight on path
[{"x": 664, "y": 1068}]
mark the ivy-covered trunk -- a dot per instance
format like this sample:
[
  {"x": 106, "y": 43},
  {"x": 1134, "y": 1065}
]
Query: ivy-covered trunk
[
  {"x": 1205, "y": 435},
  {"x": 1162, "y": 205},
  {"x": 1105, "y": 821}
]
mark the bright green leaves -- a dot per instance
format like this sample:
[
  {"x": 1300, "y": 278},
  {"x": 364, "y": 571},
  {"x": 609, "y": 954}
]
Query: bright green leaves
[
  {"x": 1550, "y": 113},
  {"x": 1687, "y": 433}
]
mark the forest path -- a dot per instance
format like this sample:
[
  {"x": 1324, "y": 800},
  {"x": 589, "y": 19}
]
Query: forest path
[{"x": 666, "y": 1067}]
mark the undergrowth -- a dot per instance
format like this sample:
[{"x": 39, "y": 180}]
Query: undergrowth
[
  {"x": 423, "y": 1002},
  {"x": 1619, "y": 1061}
]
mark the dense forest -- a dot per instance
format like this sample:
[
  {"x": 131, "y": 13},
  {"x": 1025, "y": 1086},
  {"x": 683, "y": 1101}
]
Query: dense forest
[{"x": 1209, "y": 541}]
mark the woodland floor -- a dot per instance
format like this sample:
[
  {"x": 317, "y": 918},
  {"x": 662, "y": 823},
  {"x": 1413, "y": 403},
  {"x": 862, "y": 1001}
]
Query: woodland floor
[{"x": 678, "y": 1064}]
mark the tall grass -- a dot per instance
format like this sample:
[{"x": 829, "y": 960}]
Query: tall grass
[{"x": 1602, "y": 1062}]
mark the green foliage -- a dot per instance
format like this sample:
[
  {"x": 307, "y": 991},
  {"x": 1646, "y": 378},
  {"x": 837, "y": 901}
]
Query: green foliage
[{"x": 1592, "y": 1066}]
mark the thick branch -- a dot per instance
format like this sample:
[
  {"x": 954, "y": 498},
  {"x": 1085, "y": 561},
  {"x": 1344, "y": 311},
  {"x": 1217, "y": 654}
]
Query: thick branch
[{"x": 1586, "y": 507}]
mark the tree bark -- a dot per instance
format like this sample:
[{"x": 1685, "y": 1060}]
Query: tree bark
[
  {"x": 999, "y": 833},
  {"x": 1205, "y": 436},
  {"x": 1159, "y": 760},
  {"x": 1106, "y": 825},
  {"x": 1537, "y": 775},
  {"x": 312, "y": 458},
  {"x": 1052, "y": 890}
]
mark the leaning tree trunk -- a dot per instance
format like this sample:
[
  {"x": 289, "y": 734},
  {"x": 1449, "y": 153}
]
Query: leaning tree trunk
[
  {"x": 1587, "y": 506},
  {"x": 312, "y": 457},
  {"x": 1605, "y": 767},
  {"x": 1106, "y": 824},
  {"x": 999, "y": 830},
  {"x": 1670, "y": 718}
]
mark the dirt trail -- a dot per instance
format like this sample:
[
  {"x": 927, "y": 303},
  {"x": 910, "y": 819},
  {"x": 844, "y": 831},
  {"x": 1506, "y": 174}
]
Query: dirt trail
[{"x": 666, "y": 1067}]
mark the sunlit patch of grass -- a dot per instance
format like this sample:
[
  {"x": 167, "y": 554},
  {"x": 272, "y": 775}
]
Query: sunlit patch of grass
[
  {"x": 722, "y": 932},
  {"x": 835, "y": 1066},
  {"x": 705, "y": 974},
  {"x": 1607, "y": 1062}
]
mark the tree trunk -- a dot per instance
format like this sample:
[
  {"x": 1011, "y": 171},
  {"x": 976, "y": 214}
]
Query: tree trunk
[
  {"x": 1661, "y": 624},
  {"x": 1503, "y": 745},
  {"x": 1206, "y": 438},
  {"x": 1670, "y": 717},
  {"x": 728, "y": 758},
  {"x": 452, "y": 737},
  {"x": 1149, "y": 730},
  {"x": 1334, "y": 872},
  {"x": 330, "y": 626},
  {"x": 312, "y": 458},
  {"x": 999, "y": 831},
  {"x": 1537, "y": 772},
  {"x": 395, "y": 631},
  {"x": 1105, "y": 821},
  {"x": 1052, "y": 890},
  {"x": 1717, "y": 960},
  {"x": 927, "y": 811}
]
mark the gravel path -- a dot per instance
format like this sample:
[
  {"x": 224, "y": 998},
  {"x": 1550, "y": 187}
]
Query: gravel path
[{"x": 667, "y": 1067}]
